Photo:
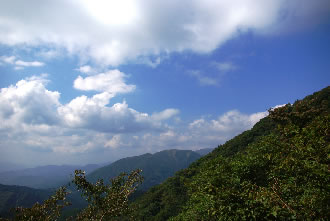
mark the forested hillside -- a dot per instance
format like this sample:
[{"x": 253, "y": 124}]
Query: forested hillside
[
  {"x": 14, "y": 196},
  {"x": 276, "y": 170}
]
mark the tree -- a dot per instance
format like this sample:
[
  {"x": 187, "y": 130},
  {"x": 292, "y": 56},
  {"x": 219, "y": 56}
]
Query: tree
[{"x": 106, "y": 201}]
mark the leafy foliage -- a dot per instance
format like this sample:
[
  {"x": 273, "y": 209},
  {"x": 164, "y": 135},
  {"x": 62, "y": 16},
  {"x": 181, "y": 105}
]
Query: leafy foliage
[
  {"x": 106, "y": 201},
  {"x": 49, "y": 210}
]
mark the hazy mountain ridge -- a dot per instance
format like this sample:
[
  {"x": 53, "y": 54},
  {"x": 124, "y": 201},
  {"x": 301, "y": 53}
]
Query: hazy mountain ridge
[
  {"x": 155, "y": 167},
  {"x": 44, "y": 177}
]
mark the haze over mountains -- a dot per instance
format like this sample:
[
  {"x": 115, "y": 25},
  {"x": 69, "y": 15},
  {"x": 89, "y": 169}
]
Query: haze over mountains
[
  {"x": 44, "y": 177},
  {"x": 52, "y": 176}
]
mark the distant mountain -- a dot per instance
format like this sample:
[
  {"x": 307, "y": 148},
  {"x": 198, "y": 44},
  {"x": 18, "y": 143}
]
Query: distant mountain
[
  {"x": 9, "y": 166},
  {"x": 14, "y": 196},
  {"x": 155, "y": 167},
  {"x": 204, "y": 151},
  {"x": 43, "y": 176}
]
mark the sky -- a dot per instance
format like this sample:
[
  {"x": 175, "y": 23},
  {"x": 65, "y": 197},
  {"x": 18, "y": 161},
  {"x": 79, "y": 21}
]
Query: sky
[{"x": 93, "y": 81}]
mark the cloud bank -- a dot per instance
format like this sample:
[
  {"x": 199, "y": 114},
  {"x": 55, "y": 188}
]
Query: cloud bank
[
  {"x": 111, "y": 33},
  {"x": 34, "y": 119}
]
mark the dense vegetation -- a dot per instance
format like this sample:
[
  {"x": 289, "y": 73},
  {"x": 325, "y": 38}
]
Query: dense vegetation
[{"x": 277, "y": 170}]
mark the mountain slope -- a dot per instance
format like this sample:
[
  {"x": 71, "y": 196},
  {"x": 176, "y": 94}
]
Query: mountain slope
[
  {"x": 276, "y": 170},
  {"x": 155, "y": 167},
  {"x": 14, "y": 196}
]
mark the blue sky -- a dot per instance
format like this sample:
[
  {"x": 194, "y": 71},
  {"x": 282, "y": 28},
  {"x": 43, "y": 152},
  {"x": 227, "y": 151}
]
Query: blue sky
[{"x": 94, "y": 81}]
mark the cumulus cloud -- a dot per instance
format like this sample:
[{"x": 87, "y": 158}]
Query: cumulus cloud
[
  {"x": 198, "y": 134},
  {"x": 112, "y": 81},
  {"x": 217, "y": 131},
  {"x": 33, "y": 117},
  {"x": 229, "y": 122},
  {"x": 33, "y": 121},
  {"x": 115, "y": 32},
  {"x": 28, "y": 102},
  {"x": 92, "y": 113}
]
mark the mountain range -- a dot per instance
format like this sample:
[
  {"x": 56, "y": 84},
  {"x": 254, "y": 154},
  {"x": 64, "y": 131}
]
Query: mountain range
[
  {"x": 155, "y": 167},
  {"x": 43, "y": 177}
]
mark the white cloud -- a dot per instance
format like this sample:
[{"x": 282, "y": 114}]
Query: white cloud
[
  {"x": 35, "y": 123},
  {"x": 137, "y": 29},
  {"x": 164, "y": 115},
  {"x": 28, "y": 102},
  {"x": 217, "y": 131},
  {"x": 110, "y": 81},
  {"x": 229, "y": 122},
  {"x": 33, "y": 118},
  {"x": 115, "y": 142},
  {"x": 93, "y": 114},
  {"x": 86, "y": 69},
  {"x": 29, "y": 63},
  {"x": 19, "y": 63}
]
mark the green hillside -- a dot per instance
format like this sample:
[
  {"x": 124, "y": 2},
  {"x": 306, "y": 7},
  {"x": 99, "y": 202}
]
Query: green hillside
[
  {"x": 155, "y": 167},
  {"x": 14, "y": 196},
  {"x": 276, "y": 170}
]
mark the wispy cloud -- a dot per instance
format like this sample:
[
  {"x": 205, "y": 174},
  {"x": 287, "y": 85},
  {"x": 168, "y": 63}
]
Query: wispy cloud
[
  {"x": 8, "y": 59},
  {"x": 203, "y": 79},
  {"x": 20, "y": 64},
  {"x": 29, "y": 63},
  {"x": 225, "y": 66}
]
